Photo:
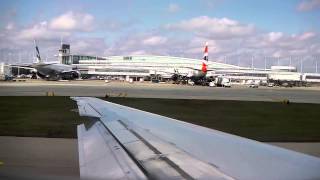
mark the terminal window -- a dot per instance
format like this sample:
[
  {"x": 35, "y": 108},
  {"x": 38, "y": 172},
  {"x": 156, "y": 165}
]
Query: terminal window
[{"x": 127, "y": 58}]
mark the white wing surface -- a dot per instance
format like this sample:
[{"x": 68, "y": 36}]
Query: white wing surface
[{"x": 157, "y": 147}]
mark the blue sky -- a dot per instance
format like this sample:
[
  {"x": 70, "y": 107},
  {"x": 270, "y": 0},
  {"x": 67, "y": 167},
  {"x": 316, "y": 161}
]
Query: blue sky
[
  {"x": 270, "y": 15},
  {"x": 233, "y": 28}
]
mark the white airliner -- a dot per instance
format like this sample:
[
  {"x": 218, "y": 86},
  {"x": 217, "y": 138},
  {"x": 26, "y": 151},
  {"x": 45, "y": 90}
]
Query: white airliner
[
  {"x": 51, "y": 71},
  {"x": 127, "y": 143},
  {"x": 201, "y": 73},
  {"x": 196, "y": 74}
]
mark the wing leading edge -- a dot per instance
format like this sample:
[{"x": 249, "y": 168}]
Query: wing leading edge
[{"x": 157, "y": 147}]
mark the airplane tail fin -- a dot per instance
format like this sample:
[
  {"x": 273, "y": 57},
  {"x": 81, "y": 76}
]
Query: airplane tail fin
[
  {"x": 205, "y": 58},
  {"x": 205, "y": 53},
  {"x": 37, "y": 53}
]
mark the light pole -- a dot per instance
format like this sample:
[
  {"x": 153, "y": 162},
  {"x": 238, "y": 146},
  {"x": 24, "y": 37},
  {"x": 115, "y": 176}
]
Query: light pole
[
  {"x": 316, "y": 65},
  {"x": 290, "y": 61},
  {"x": 19, "y": 63},
  {"x": 251, "y": 62},
  {"x": 9, "y": 58},
  {"x": 301, "y": 65}
]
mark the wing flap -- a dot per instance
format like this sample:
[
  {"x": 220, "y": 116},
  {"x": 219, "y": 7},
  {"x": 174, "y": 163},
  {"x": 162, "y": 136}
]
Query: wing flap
[
  {"x": 160, "y": 159},
  {"x": 102, "y": 157}
]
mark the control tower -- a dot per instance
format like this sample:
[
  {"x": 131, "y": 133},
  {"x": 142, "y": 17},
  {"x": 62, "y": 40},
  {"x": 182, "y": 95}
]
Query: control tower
[{"x": 64, "y": 54}]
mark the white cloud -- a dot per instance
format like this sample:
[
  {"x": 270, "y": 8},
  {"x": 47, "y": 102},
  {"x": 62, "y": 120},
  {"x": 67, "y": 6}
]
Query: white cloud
[
  {"x": 274, "y": 36},
  {"x": 173, "y": 8},
  {"x": 40, "y": 31},
  {"x": 147, "y": 43},
  {"x": 308, "y": 5},
  {"x": 139, "y": 52},
  {"x": 61, "y": 26},
  {"x": 54, "y": 29},
  {"x": 10, "y": 26},
  {"x": 196, "y": 45},
  {"x": 71, "y": 21},
  {"x": 205, "y": 26},
  {"x": 87, "y": 46},
  {"x": 306, "y": 36},
  {"x": 154, "y": 40}
]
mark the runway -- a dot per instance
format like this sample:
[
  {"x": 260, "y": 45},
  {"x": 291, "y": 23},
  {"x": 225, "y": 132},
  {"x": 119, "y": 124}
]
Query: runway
[{"x": 153, "y": 90}]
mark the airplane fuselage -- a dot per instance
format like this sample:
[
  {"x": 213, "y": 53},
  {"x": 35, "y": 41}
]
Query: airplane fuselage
[{"x": 55, "y": 71}]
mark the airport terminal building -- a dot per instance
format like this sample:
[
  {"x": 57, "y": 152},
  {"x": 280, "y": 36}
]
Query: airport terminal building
[
  {"x": 163, "y": 67},
  {"x": 135, "y": 66},
  {"x": 5, "y": 71},
  {"x": 145, "y": 65}
]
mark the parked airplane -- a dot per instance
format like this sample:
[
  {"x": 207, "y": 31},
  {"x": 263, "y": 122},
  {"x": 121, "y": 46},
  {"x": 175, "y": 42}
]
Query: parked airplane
[
  {"x": 126, "y": 143},
  {"x": 54, "y": 71},
  {"x": 51, "y": 71},
  {"x": 197, "y": 75}
]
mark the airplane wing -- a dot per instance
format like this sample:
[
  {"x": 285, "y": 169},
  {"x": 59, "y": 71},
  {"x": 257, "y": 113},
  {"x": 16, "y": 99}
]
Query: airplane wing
[
  {"x": 127, "y": 143},
  {"x": 26, "y": 66}
]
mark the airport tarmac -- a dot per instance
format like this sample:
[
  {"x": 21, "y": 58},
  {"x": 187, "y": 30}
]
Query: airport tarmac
[
  {"x": 159, "y": 90},
  {"x": 30, "y": 158}
]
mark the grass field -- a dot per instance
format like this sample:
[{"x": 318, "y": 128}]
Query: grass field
[
  {"x": 263, "y": 121},
  {"x": 38, "y": 117}
]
